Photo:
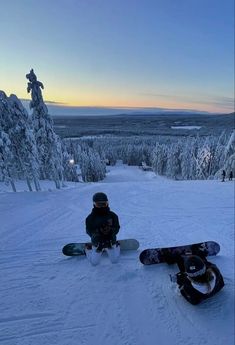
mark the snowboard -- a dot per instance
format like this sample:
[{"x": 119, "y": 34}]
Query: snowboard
[
  {"x": 158, "y": 255},
  {"x": 74, "y": 249}
]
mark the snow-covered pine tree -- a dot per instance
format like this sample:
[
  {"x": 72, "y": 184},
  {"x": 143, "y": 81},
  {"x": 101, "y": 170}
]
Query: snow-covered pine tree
[
  {"x": 173, "y": 165},
  {"x": 69, "y": 166},
  {"x": 23, "y": 143},
  {"x": 7, "y": 161},
  {"x": 229, "y": 154},
  {"x": 159, "y": 159},
  {"x": 48, "y": 143},
  {"x": 218, "y": 153},
  {"x": 73, "y": 149},
  {"x": 6, "y": 158},
  {"x": 188, "y": 163},
  {"x": 133, "y": 154},
  {"x": 92, "y": 167},
  {"x": 203, "y": 156}
]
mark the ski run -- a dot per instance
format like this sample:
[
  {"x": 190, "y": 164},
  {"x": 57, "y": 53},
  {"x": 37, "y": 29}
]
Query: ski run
[{"x": 47, "y": 298}]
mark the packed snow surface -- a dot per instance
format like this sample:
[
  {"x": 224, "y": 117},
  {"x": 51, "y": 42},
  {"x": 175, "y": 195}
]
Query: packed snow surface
[{"x": 47, "y": 298}]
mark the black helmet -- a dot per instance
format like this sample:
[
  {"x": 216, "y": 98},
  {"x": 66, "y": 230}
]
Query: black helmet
[
  {"x": 194, "y": 266},
  {"x": 100, "y": 197}
]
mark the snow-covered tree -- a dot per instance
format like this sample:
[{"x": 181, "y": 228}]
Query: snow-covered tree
[
  {"x": 159, "y": 159},
  {"x": 48, "y": 143},
  {"x": 173, "y": 165},
  {"x": 23, "y": 143},
  {"x": 92, "y": 166},
  {"x": 69, "y": 166},
  {"x": 230, "y": 146},
  {"x": 188, "y": 162},
  {"x": 179, "y": 158},
  {"x": 15, "y": 122},
  {"x": 73, "y": 148},
  {"x": 6, "y": 158},
  {"x": 229, "y": 154},
  {"x": 7, "y": 161}
]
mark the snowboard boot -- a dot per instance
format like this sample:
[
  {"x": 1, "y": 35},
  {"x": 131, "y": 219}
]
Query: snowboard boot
[
  {"x": 88, "y": 246},
  {"x": 102, "y": 245},
  {"x": 99, "y": 248}
]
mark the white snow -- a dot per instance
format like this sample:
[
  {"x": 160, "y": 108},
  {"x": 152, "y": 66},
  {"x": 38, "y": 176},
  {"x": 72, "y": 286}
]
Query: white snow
[
  {"x": 47, "y": 298},
  {"x": 185, "y": 127}
]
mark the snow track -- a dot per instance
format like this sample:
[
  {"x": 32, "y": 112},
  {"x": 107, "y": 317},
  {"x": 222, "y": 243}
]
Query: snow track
[{"x": 49, "y": 299}]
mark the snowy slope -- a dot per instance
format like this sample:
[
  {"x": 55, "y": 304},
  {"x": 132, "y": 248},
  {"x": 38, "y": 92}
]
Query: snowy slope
[{"x": 48, "y": 299}]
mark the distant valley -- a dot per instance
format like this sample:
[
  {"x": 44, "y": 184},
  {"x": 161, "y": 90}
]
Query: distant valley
[{"x": 148, "y": 125}]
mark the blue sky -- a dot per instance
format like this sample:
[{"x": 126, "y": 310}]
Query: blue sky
[{"x": 125, "y": 53}]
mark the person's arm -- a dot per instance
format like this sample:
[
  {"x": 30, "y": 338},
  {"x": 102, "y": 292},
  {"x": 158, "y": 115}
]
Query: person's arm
[
  {"x": 89, "y": 226},
  {"x": 190, "y": 295},
  {"x": 219, "y": 281},
  {"x": 186, "y": 289},
  {"x": 116, "y": 225}
]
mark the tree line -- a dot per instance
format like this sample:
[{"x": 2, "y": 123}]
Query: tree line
[{"x": 184, "y": 158}]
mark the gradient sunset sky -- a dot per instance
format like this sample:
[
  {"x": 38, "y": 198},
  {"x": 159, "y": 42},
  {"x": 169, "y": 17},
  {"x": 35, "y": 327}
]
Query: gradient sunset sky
[{"x": 121, "y": 53}]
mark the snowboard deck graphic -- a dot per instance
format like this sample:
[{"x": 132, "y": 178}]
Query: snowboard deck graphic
[
  {"x": 74, "y": 249},
  {"x": 158, "y": 255}
]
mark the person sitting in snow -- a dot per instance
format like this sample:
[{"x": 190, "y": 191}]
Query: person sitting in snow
[
  {"x": 102, "y": 225},
  {"x": 198, "y": 278}
]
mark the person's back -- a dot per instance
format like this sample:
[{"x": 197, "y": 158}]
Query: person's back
[{"x": 199, "y": 280}]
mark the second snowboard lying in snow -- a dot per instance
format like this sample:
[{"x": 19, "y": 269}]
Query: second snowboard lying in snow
[{"x": 161, "y": 255}]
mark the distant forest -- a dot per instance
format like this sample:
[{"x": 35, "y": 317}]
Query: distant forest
[
  {"x": 148, "y": 125},
  {"x": 177, "y": 158}
]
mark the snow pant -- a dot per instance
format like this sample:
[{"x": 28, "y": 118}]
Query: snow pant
[{"x": 94, "y": 256}]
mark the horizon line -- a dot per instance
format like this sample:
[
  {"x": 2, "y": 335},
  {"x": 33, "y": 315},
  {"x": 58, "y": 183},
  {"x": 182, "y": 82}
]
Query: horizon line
[{"x": 63, "y": 106}]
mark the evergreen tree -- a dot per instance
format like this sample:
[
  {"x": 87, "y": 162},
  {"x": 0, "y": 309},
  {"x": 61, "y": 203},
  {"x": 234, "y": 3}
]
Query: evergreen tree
[
  {"x": 159, "y": 159},
  {"x": 7, "y": 161},
  {"x": 188, "y": 163},
  {"x": 173, "y": 165},
  {"x": 69, "y": 166},
  {"x": 24, "y": 144},
  {"x": 6, "y": 158},
  {"x": 92, "y": 167},
  {"x": 15, "y": 122},
  {"x": 229, "y": 153},
  {"x": 48, "y": 143}
]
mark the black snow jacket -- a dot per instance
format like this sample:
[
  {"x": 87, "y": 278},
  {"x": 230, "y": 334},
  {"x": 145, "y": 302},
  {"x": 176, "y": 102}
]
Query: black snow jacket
[
  {"x": 102, "y": 225},
  {"x": 190, "y": 290}
]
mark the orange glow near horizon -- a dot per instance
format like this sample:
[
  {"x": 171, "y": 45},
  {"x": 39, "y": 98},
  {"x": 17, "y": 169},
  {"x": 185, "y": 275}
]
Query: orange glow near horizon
[
  {"x": 66, "y": 98},
  {"x": 129, "y": 101},
  {"x": 116, "y": 103}
]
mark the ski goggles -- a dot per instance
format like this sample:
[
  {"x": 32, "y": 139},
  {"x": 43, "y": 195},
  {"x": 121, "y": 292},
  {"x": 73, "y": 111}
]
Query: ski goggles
[{"x": 100, "y": 204}]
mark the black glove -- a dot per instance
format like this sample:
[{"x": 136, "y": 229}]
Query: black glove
[
  {"x": 106, "y": 229},
  {"x": 180, "y": 278}
]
